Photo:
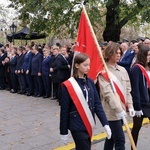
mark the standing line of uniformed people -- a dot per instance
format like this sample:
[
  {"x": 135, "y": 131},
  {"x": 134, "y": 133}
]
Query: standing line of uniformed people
[{"x": 35, "y": 71}]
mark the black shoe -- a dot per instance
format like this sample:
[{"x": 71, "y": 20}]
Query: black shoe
[
  {"x": 46, "y": 96},
  {"x": 29, "y": 94},
  {"x": 38, "y": 95},
  {"x": 34, "y": 95},
  {"x": 1, "y": 88},
  {"x": 24, "y": 92},
  {"x": 19, "y": 92},
  {"x": 53, "y": 98}
]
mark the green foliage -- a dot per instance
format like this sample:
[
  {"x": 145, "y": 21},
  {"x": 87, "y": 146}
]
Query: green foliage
[{"x": 61, "y": 17}]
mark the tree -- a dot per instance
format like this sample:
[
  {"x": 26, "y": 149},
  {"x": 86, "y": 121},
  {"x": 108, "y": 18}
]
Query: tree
[{"x": 61, "y": 17}]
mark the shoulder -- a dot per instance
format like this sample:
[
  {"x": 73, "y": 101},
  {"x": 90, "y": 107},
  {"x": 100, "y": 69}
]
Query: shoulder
[
  {"x": 90, "y": 81},
  {"x": 135, "y": 68},
  {"x": 122, "y": 69}
]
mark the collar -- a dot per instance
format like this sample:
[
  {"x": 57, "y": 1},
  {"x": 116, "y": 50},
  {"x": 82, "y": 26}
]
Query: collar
[
  {"x": 116, "y": 67},
  {"x": 124, "y": 52}
]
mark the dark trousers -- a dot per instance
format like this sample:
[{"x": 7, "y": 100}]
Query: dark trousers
[
  {"x": 55, "y": 90},
  {"x": 137, "y": 124},
  {"x": 13, "y": 78},
  {"x": 59, "y": 90},
  {"x": 82, "y": 140},
  {"x": 2, "y": 82},
  {"x": 47, "y": 85},
  {"x": 22, "y": 82},
  {"x": 118, "y": 139},
  {"x": 29, "y": 81},
  {"x": 38, "y": 85}
]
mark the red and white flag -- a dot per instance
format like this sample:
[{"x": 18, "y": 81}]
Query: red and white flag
[{"x": 87, "y": 43}]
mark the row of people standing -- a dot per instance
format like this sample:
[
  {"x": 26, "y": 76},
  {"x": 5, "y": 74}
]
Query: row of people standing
[
  {"x": 134, "y": 88},
  {"x": 40, "y": 73}
]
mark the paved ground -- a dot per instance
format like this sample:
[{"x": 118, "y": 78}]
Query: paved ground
[{"x": 28, "y": 123}]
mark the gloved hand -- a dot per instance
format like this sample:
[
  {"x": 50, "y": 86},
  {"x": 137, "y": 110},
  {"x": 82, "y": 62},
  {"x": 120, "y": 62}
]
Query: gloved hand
[
  {"x": 131, "y": 112},
  {"x": 108, "y": 131},
  {"x": 121, "y": 114},
  {"x": 64, "y": 138},
  {"x": 139, "y": 113}
]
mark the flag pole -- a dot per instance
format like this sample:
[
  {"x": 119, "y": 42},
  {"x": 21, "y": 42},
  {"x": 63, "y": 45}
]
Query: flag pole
[{"x": 106, "y": 69}]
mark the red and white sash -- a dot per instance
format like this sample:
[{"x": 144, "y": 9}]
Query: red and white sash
[
  {"x": 144, "y": 73},
  {"x": 79, "y": 101},
  {"x": 119, "y": 88}
]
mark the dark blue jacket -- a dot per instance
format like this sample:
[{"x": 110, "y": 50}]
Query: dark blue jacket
[
  {"x": 20, "y": 60},
  {"x": 127, "y": 60},
  {"x": 139, "y": 88},
  {"x": 55, "y": 68},
  {"x": 36, "y": 66},
  {"x": 63, "y": 72},
  {"x": 46, "y": 64},
  {"x": 27, "y": 61},
  {"x": 69, "y": 116},
  {"x": 2, "y": 67},
  {"x": 12, "y": 64}
]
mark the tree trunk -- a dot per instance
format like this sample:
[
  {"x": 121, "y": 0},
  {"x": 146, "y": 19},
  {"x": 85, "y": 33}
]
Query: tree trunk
[{"x": 113, "y": 29}]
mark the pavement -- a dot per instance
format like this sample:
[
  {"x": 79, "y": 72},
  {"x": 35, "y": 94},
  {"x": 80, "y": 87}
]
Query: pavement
[{"x": 29, "y": 123}]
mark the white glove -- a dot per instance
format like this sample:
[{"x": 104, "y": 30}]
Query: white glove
[
  {"x": 108, "y": 131},
  {"x": 131, "y": 112},
  {"x": 139, "y": 113},
  {"x": 64, "y": 138},
  {"x": 121, "y": 115}
]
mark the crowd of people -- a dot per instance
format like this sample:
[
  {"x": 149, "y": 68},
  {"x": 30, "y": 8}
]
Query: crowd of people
[
  {"x": 39, "y": 71},
  {"x": 34, "y": 70}
]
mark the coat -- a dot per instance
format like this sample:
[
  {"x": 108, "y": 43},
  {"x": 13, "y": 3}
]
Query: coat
[
  {"x": 139, "y": 89},
  {"x": 110, "y": 104},
  {"x": 46, "y": 64},
  {"x": 36, "y": 66},
  {"x": 27, "y": 61},
  {"x": 20, "y": 60},
  {"x": 2, "y": 67},
  {"x": 63, "y": 72},
  {"x": 127, "y": 60},
  {"x": 12, "y": 64},
  {"x": 69, "y": 116}
]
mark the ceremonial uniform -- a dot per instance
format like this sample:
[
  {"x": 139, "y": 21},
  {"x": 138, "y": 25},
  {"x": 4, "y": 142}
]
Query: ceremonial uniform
[
  {"x": 112, "y": 106},
  {"x": 141, "y": 100},
  {"x": 70, "y": 118}
]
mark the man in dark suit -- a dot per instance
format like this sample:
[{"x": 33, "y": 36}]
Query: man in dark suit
[
  {"x": 127, "y": 57},
  {"x": 63, "y": 66},
  {"x": 12, "y": 67},
  {"x": 2, "y": 69},
  {"x": 27, "y": 69},
  {"x": 53, "y": 71},
  {"x": 36, "y": 71},
  {"x": 19, "y": 71},
  {"x": 46, "y": 64}
]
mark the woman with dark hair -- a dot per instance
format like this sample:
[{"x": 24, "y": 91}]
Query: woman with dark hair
[
  {"x": 115, "y": 108},
  {"x": 79, "y": 103},
  {"x": 140, "y": 82}
]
